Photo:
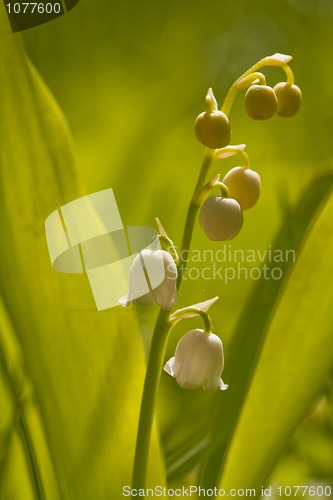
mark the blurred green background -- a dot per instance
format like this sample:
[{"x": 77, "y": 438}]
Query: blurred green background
[{"x": 130, "y": 78}]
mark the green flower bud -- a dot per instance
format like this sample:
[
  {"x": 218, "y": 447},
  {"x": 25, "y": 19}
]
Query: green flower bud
[
  {"x": 289, "y": 99},
  {"x": 243, "y": 185},
  {"x": 221, "y": 218},
  {"x": 260, "y": 102},
  {"x": 213, "y": 129}
]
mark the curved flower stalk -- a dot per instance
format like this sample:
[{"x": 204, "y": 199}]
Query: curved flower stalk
[{"x": 198, "y": 361}]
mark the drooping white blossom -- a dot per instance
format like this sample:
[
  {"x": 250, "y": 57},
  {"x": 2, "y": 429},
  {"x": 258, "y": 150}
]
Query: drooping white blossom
[
  {"x": 152, "y": 278},
  {"x": 198, "y": 361}
]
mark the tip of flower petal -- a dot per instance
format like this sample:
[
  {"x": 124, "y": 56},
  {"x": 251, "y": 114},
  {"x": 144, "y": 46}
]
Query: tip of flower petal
[
  {"x": 124, "y": 301},
  {"x": 168, "y": 366},
  {"x": 223, "y": 386}
]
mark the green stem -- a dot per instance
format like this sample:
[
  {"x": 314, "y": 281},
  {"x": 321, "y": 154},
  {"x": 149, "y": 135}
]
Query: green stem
[
  {"x": 180, "y": 315},
  {"x": 245, "y": 158},
  {"x": 158, "y": 348},
  {"x": 289, "y": 75},
  {"x": 224, "y": 189},
  {"x": 229, "y": 100},
  {"x": 191, "y": 215},
  {"x": 152, "y": 379}
]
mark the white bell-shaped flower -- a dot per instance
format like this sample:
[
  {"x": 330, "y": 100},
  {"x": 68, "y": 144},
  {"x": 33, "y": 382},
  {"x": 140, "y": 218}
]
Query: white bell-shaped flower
[
  {"x": 152, "y": 278},
  {"x": 198, "y": 361}
]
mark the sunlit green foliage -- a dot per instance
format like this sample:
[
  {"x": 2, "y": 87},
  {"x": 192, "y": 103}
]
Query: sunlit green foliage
[{"x": 131, "y": 79}]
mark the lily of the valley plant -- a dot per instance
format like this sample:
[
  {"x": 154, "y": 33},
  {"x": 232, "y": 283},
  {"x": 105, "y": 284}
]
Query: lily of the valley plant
[{"x": 155, "y": 276}]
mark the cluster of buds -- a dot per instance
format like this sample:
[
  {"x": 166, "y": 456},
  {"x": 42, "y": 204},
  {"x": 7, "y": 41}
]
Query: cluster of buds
[
  {"x": 221, "y": 217},
  {"x": 262, "y": 101}
]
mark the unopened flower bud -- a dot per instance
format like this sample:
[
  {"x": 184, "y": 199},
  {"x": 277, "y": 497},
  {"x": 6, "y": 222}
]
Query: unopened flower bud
[
  {"x": 289, "y": 99},
  {"x": 244, "y": 185},
  {"x": 213, "y": 129},
  {"x": 260, "y": 102},
  {"x": 152, "y": 278},
  {"x": 198, "y": 361},
  {"x": 221, "y": 218}
]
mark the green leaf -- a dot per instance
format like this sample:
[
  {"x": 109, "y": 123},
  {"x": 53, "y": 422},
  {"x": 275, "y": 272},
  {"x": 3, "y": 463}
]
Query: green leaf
[
  {"x": 85, "y": 368},
  {"x": 295, "y": 362},
  {"x": 17, "y": 445},
  {"x": 276, "y": 308}
]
